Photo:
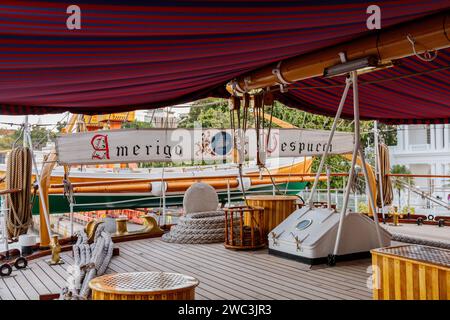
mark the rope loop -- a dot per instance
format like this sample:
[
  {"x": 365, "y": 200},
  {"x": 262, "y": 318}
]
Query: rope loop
[
  {"x": 283, "y": 83},
  {"x": 428, "y": 55}
]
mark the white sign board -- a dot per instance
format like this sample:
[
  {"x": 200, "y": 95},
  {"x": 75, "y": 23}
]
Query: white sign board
[{"x": 124, "y": 146}]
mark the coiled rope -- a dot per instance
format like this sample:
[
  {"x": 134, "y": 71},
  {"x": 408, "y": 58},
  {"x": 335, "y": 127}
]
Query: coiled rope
[
  {"x": 18, "y": 176},
  {"x": 388, "y": 194},
  {"x": 196, "y": 228}
]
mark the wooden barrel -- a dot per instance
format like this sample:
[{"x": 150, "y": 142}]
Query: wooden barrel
[
  {"x": 143, "y": 286},
  {"x": 244, "y": 236},
  {"x": 276, "y": 209},
  {"x": 411, "y": 272}
]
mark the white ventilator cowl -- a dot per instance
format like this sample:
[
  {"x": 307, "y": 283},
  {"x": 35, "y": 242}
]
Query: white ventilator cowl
[{"x": 200, "y": 197}]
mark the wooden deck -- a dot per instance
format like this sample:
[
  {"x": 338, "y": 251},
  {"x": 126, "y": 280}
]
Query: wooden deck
[{"x": 223, "y": 274}]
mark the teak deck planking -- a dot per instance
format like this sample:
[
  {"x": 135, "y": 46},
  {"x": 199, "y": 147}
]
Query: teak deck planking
[{"x": 223, "y": 274}]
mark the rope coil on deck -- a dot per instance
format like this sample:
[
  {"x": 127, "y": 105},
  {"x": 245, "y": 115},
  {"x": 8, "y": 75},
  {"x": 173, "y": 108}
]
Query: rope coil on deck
[{"x": 196, "y": 228}]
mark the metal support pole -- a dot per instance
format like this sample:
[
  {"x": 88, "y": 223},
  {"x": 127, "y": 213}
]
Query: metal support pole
[
  {"x": 330, "y": 138},
  {"x": 4, "y": 210},
  {"x": 336, "y": 197},
  {"x": 346, "y": 197},
  {"x": 371, "y": 195},
  {"x": 328, "y": 188},
  {"x": 164, "y": 201},
  {"x": 71, "y": 218},
  {"x": 228, "y": 192},
  {"x": 361, "y": 153},
  {"x": 25, "y": 123},
  {"x": 27, "y": 136},
  {"x": 378, "y": 164},
  {"x": 357, "y": 149}
]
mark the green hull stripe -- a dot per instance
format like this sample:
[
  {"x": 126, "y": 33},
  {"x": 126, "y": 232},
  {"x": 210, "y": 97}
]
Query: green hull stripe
[{"x": 59, "y": 204}]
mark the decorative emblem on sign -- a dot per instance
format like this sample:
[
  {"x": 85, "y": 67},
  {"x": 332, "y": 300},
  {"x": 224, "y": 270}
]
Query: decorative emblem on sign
[
  {"x": 272, "y": 142},
  {"x": 221, "y": 143},
  {"x": 204, "y": 147},
  {"x": 101, "y": 148}
]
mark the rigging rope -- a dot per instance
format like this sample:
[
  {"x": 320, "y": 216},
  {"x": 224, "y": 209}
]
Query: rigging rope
[
  {"x": 386, "y": 183},
  {"x": 18, "y": 176},
  {"x": 428, "y": 55}
]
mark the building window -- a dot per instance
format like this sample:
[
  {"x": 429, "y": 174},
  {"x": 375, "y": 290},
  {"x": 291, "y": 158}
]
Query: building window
[{"x": 428, "y": 129}]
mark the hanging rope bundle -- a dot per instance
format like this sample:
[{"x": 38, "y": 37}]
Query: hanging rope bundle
[
  {"x": 68, "y": 187},
  {"x": 258, "y": 113},
  {"x": 386, "y": 183},
  {"x": 18, "y": 176},
  {"x": 91, "y": 260},
  {"x": 239, "y": 128}
]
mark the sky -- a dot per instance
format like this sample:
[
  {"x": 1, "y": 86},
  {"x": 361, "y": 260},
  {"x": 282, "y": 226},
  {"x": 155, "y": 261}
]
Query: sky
[
  {"x": 52, "y": 119},
  {"x": 42, "y": 119}
]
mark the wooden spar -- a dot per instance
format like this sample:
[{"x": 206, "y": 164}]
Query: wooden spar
[
  {"x": 411, "y": 175},
  {"x": 177, "y": 186},
  {"x": 387, "y": 44},
  {"x": 45, "y": 184},
  {"x": 214, "y": 178},
  {"x": 218, "y": 182}
]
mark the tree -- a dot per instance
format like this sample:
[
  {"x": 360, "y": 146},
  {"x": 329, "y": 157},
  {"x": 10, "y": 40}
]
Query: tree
[
  {"x": 307, "y": 120},
  {"x": 39, "y": 136},
  {"x": 399, "y": 182},
  {"x": 136, "y": 125},
  {"x": 211, "y": 113}
]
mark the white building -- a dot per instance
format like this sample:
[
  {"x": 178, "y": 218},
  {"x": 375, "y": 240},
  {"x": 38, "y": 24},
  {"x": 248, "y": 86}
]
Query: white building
[
  {"x": 425, "y": 149},
  {"x": 167, "y": 117}
]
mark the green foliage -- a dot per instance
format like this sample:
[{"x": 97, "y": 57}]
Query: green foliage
[
  {"x": 136, "y": 125},
  {"x": 398, "y": 182},
  {"x": 307, "y": 120},
  {"x": 39, "y": 135},
  {"x": 362, "y": 207},
  {"x": 6, "y": 142},
  {"x": 409, "y": 209},
  {"x": 211, "y": 113}
]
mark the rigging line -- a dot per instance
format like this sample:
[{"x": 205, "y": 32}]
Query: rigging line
[
  {"x": 290, "y": 173},
  {"x": 374, "y": 81},
  {"x": 36, "y": 144}
]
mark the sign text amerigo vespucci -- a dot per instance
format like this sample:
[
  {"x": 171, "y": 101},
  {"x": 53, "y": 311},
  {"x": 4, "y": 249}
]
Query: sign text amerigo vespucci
[{"x": 148, "y": 145}]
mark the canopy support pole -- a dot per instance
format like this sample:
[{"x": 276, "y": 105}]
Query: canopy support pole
[
  {"x": 4, "y": 213},
  {"x": 27, "y": 137},
  {"x": 310, "y": 201},
  {"x": 357, "y": 148},
  {"x": 328, "y": 188},
  {"x": 378, "y": 165}
]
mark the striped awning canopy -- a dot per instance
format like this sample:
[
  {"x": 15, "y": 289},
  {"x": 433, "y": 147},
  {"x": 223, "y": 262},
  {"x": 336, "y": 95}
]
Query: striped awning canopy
[{"x": 132, "y": 55}]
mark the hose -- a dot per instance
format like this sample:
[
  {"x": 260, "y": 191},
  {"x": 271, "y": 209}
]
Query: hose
[{"x": 18, "y": 176}]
